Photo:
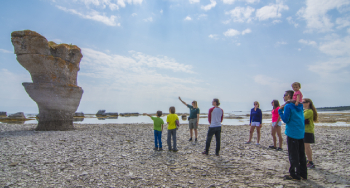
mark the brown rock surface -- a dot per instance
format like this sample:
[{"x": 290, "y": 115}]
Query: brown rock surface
[{"x": 54, "y": 70}]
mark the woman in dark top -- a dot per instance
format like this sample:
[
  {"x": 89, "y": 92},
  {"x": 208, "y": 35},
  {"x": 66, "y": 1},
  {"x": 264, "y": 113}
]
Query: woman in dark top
[{"x": 255, "y": 121}]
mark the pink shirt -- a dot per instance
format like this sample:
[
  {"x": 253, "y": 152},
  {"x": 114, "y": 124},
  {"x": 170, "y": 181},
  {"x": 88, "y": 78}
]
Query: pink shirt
[
  {"x": 275, "y": 114},
  {"x": 300, "y": 97}
]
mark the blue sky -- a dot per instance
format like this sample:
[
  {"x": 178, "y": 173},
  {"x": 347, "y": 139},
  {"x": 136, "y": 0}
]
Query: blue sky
[{"x": 140, "y": 55}]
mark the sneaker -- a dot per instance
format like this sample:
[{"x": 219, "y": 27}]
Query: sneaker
[
  {"x": 190, "y": 139},
  {"x": 205, "y": 152},
  {"x": 309, "y": 165},
  {"x": 217, "y": 154},
  {"x": 195, "y": 140},
  {"x": 155, "y": 149},
  {"x": 272, "y": 147},
  {"x": 289, "y": 177},
  {"x": 175, "y": 150},
  {"x": 248, "y": 142},
  {"x": 170, "y": 150},
  {"x": 160, "y": 149},
  {"x": 279, "y": 149},
  {"x": 257, "y": 144}
]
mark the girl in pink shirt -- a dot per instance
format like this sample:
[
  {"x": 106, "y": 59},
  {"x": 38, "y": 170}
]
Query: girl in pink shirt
[
  {"x": 298, "y": 96},
  {"x": 276, "y": 126}
]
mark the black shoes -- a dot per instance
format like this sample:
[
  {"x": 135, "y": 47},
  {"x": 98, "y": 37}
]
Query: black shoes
[
  {"x": 190, "y": 139},
  {"x": 195, "y": 140},
  {"x": 205, "y": 152},
  {"x": 272, "y": 147}
]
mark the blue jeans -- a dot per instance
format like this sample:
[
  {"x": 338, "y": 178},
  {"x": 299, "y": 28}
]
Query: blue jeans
[{"x": 158, "y": 138}]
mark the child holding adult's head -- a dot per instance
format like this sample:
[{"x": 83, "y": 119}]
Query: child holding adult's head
[
  {"x": 171, "y": 120},
  {"x": 297, "y": 96},
  {"x": 158, "y": 128}
]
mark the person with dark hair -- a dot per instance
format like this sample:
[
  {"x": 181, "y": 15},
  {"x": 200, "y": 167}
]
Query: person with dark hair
[
  {"x": 171, "y": 120},
  {"x": 310, "y": 114},
  {"x": 276, "y": 126},
  {"x": 158, "y": 128},
  {"x": 255, "y": 121},
  {"x": 215, "y": 117},
  {"x": 293, "y": 116},
  {"x": 193, "y": 119}
]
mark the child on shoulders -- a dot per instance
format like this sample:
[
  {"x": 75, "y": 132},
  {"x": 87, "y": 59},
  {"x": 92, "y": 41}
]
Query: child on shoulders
[
  {"x": 158, "y": 128},
  {"x": 298, "y": 96}
]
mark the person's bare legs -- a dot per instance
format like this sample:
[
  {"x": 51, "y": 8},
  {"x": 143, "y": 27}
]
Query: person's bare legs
[
  {"x": 251, "y": 133},
  {"x": 273, "y": 133},
  {"x": 258, "y": 132},
  {"x": 195, "y": 132},
  {"x": 308, "y": 151},
  {"x": 191, "y": 132},
  {"x": 279, "y": 134}
]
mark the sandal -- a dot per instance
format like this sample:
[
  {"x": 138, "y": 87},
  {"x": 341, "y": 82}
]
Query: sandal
[
  {"x": 279, "y": 149},
  {"x": 272, "y": 147}
]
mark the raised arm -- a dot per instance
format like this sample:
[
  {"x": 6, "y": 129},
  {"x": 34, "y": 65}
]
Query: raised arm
[
  {"x": 182, "y": 101},
  {"x": 145, "y": 114}
]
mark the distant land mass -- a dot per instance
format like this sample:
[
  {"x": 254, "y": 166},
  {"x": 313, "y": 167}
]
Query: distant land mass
[{"x": 336, "y": 108}]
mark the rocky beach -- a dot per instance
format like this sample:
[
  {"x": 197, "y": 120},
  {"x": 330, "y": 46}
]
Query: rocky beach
[{"x": 122, "y": 155}]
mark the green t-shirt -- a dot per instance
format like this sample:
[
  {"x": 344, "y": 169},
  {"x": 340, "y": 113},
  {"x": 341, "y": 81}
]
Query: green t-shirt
[
  {"x": 157, "y": 122},
  {"x": 193, "y": 111},
  {"x": 309, "y": 114}
]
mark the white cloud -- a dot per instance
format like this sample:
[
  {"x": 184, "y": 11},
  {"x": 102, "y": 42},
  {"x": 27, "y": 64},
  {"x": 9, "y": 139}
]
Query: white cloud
[
  {"x": 5, "y": 51},
  {"x": 315, "y": 13},
  {"x": 188, "y": 18},
  {"x": 339, "y": 47},
  {"x": 209, "y": 6},
  {"x": 112, "y": 6},
  {"x": 241, "y": 14},
  {"x": 342, "y": 22},
  {"x": 335, "y": 69},
  {"x": 299, "y": 49},
  {"x": 232, "y": 1},
  {"x": 281, "y": 43},
  {"x": 194, "y": 1},
  {"x": 213, "y": 36},
  {"x": 134, "y": 14},
  {"x": 226, "y": 22},
  {"x": 202, "y": 16},
  {"x": 310, "y": 42},
  {"x": 276, "y": 21},
  {"x": 149, "y": 19},
  {"x": 93, "y": 15},
  {"x": 271, "y": 11},
  {"x": 231, "y": 33},
  {"x": 291, "y": 21},
  {"x": 246, "y": 31},
  {"x": 161, "y": 11},
  {"x": 348, "y": 30},
  {"x": 238, "y": 44}
]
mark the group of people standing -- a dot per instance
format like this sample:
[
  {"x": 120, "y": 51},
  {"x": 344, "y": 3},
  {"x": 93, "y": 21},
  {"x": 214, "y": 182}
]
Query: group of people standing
[{"x": 298, "y": 113}]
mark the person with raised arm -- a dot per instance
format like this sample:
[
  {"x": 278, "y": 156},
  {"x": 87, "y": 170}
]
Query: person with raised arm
[{"x": 193, "y": 119}]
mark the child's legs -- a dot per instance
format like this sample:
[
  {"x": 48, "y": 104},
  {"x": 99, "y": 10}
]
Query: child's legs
[
  {"x": 174, "y": 139},
  {"x": 155, "y": 138},
  {"x": 160, "y": 139},
  {"x": 169, "y": 139}
]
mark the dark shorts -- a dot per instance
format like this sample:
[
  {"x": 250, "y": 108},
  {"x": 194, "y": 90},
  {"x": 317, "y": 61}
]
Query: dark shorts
[{"x": 309, "y": 138}]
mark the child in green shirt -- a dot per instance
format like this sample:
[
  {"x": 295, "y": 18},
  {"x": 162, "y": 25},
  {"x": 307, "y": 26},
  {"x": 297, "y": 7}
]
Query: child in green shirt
[{"x": 158, "y": 128}]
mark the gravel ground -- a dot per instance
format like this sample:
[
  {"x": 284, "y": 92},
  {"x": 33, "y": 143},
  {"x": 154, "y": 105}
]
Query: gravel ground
[{"x": 122, "y": 155}]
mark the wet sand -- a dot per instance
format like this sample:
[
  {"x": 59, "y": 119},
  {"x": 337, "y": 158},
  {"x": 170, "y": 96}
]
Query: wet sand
[{"x": 112, "y": 155}]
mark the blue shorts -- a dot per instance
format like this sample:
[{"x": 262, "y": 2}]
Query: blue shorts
[
  {"x": 279, "y": 123},
  {"x": 256, "y": 124}
]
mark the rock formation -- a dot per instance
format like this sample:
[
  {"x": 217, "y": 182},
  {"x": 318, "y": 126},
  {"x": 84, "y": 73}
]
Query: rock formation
[
  {"x": 18, "y": 115},
  {"x": 53, "y": 69},
  {"x": 3, "y": 114}
]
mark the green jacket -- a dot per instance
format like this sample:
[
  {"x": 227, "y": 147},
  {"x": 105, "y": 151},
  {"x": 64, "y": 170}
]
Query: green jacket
[{"x": 309, "y": 115}]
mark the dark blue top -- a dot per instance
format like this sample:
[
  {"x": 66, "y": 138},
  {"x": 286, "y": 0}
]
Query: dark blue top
[
  {"x": 293, "y": 116},
  {"x": 255, "y": 116}
]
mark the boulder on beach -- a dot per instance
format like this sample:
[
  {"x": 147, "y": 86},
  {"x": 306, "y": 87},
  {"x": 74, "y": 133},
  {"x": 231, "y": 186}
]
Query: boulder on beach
[
  {"x": 78, "y": 114},
  {"x": 54, "y": 69},
  {"x": 3, "y": 114},
  {"x": 112, "y": 113},
  {"x": 101, "y": 113},
  {"x": 18, "y": 115},
  {"x": 130, "y": 114}
]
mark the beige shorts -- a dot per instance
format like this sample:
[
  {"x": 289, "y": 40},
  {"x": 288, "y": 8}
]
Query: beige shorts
[{"x": 192, "y": 123}]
